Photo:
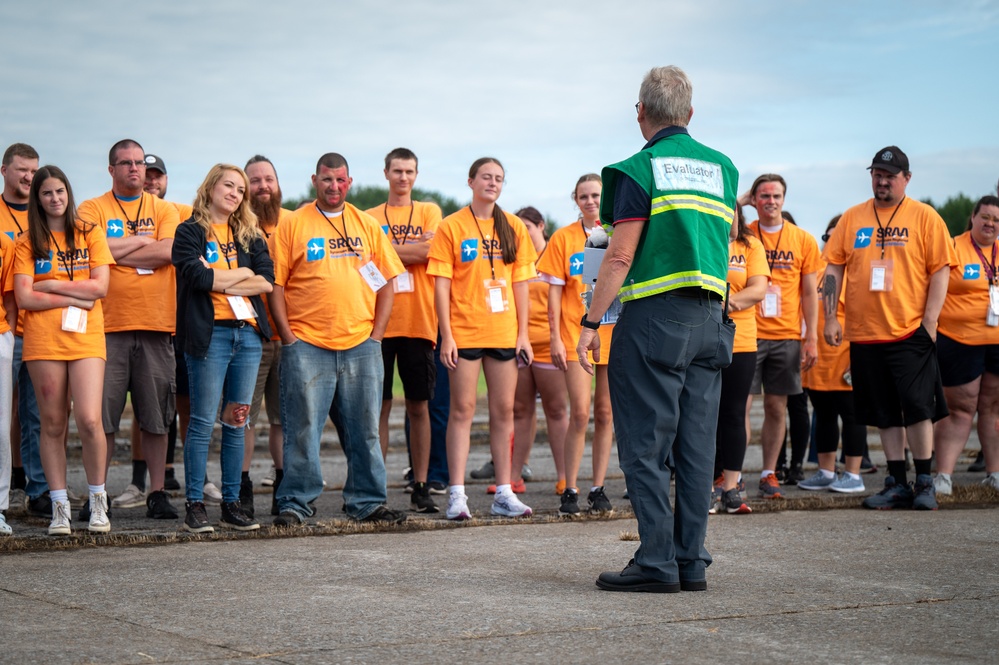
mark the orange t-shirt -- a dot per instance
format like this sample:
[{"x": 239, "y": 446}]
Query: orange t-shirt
[
  {"x": 918, "y": 244},
  {"x": 44, "y": 338},
  {"x": 791, "y": 253},
  {"x": 14, "y": 224},
  {"x": 413, "y": 313},
  {"x": 137, "y": 301},
  {"x": 538, "y": 331},
  {"x": 317, "y": 260},
  {"x": 743, "y": 263},
  {"x": 221, "y": 254},
  {"x": 6, "y": 276},
  {"x": 269, "y": 235},
  {"x": 184, "y": 211},
  {"x": 457, "y": 252},
  {"x": 833, "y": 361},
  {"x": 562, "y": 265},
  {"x": 963, "y": 315}
]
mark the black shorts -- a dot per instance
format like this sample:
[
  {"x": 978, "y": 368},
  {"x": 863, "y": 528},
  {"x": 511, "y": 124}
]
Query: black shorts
[
  {"x": 963, "y": 363},
  {"x": 497, "y": 354},
  {"x": 897, "y": 384},
  {"x": 416, "y": 367}
]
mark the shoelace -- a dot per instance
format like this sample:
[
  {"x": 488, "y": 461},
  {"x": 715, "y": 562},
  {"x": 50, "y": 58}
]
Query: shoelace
[
  {"x": 62, "y": 512},
  {"x": 98, "y": 508}
]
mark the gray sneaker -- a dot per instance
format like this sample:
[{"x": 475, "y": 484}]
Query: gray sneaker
[
  {"x": 817, "y": 481},
  {"x": 846, "y": 485},
  {"x": 892, "y": 496},
  {"x": 924, "y": 496}
]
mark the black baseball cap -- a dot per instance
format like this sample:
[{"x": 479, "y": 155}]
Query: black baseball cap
[
  {"x": 891, "y": 159},
  {"x": 154, "y": 162}
]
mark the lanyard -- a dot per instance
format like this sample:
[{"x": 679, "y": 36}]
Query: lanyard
[
  {"x": 138, "y": 214},
  {"x": 409, "y": 224},
  {"x": 228, "y": 237},
  {"x": 62, "y": 257},
  {"x": 884, "y": 230},
  {"x": 770, "y": 261},
  {"x": 488, "y": 250},
  {"x": 990, "y": 268},
  {"x": 11, "y": 213},
  {"x": 343, "y": 236}
]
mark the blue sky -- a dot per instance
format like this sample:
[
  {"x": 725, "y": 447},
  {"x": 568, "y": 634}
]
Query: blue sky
[{"x": 805, "y": 89}]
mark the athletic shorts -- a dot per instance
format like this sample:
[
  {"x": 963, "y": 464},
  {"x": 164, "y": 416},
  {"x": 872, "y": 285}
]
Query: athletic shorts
[
  {"x": 140, "y": 362},
  {"x": 415, "y": 357},
  {"x": 496, "y": 354},
  {"x": 897, "y": 384},
  {"x": 963, "y": 363},
  {"x": 778, "y": 367}
]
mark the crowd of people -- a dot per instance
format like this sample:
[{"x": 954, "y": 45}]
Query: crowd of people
[{"x": 213, "y": 313}]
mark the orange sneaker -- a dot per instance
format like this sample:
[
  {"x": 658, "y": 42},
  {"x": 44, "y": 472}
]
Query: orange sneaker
[
  {"x": 518, "y": 487},
  {"x": 770, "y": 488},
  {"x": 560, "y": 487}
]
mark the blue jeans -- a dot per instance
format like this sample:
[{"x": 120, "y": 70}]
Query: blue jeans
[
  {"x": 31, "y": 426},
  {"x": 347, "y": 386},
  {"x": 666, "y": 357},
  {"x": 227, "y": 373}
]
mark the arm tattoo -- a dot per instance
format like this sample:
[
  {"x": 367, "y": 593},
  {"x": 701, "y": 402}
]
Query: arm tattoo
[{"x": 829, "y": 295}]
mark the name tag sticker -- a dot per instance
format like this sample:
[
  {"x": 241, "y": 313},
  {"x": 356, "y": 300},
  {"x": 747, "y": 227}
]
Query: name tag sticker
[
  {"x": 241, "y": 308},
  {"x": 672, "y": 173},
  {"x": 74, "y": 319}
]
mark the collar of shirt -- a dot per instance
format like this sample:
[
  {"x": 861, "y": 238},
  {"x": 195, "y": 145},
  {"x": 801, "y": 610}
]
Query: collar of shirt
[{"x": 664, "y": 133}]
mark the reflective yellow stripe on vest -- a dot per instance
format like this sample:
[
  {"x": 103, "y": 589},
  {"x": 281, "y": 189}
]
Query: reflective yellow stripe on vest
[
  {"x": 700, "y": 204},
  {"x": 677, "y": 280}
]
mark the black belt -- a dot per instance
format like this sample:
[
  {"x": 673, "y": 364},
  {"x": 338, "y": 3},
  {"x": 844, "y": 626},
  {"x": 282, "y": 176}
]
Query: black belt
[
  {"x": 231, "y": 323},
  {"x": 694, "y": 292}
]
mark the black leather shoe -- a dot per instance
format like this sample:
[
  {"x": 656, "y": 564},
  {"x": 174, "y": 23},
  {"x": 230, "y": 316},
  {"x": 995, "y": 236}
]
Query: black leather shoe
[{"x": 631, "y": 579}]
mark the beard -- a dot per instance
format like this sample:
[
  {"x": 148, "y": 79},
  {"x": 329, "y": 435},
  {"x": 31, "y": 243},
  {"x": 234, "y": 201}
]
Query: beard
[{"x": 267, "y": 211}]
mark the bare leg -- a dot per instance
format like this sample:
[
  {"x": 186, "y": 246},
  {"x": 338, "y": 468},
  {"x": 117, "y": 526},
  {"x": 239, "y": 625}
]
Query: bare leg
[
  {"x": 50, "y": 378},
  {"x": 772, "y": 434},
  {"x": 579, "y": 385},
  {"x": 525, "y": 420},
  {"x": 603, "y": 427},
  {"x": 951, "y": 433},
  {"x": 501, "y": 385},
  {"x": 86, "y": 379},
  {"x": 464, "y": 382},
  {"x": 419, "y": 437}
]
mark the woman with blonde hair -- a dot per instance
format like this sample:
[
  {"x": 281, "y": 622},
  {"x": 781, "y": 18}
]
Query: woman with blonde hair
[
  {"x": 222, "y": 268},
  {"x": 60, "y": 275}
]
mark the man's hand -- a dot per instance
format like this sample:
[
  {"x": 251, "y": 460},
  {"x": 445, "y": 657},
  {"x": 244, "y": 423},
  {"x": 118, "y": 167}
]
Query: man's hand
[
  {"x": 589, "y": 340},
  {"x": 833, "y": 332}
]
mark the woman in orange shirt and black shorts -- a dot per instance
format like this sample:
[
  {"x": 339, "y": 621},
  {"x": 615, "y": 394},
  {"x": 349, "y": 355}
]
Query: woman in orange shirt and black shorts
[
  {"x": 60, "y": 275},
  {"x": 482, "y": 259}
]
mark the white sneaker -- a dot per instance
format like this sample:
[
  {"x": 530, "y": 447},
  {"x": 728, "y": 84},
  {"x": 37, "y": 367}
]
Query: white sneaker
[
  {"x": 943, "y": 484},
  {"x": 132, "y": 497},
  {"x": 268, "y": 480},
  {"x": 457, "y": 507},
  {"x": 59, "y": 526},
  {"x": 508, "y": 505},
  {"x": 212, "y": 494},
  {"x": 5, "y": 529},
  {"x": 992, "y": 480},
  {"x": 99, "y": 522}
]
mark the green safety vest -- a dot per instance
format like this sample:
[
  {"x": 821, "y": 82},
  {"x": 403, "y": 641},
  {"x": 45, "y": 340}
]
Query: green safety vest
[{"x": 685, "y": 241}]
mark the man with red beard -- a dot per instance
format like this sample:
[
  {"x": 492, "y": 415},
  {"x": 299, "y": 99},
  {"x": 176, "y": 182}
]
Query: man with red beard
[{"x": 265, "y": 200}]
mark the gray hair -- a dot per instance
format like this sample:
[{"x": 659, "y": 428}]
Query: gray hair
[{"x": 666, "y": 93}]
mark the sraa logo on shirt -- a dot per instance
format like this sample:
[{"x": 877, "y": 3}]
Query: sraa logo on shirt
[
  {"x": 576, "y": 264},
  {"x": 863, "y": 238},
  {"x": 780, "y": 259},
  {"x": 142, "y": 227},
  {"x": 406, "y": 231},
  {"x": 972, "y": 270}
]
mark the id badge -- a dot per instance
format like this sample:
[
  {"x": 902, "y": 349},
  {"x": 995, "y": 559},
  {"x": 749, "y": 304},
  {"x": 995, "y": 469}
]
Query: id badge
[
  {"x": 610, "y": 317},
  {"x": 882, "y": 275},
  {"x": 994, "y": 299},
  {"x": 771, "y": 305},
  {"x": 403, "y": 282},
  {"x": 241, "y": 308},
  {"x": 372, "y": 275},
  {"x": 496, "y": 300},
  {"x": 144, "y": 271},
  {"x": 74, "y": 319}
]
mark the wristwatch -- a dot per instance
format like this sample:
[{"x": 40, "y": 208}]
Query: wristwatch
[{"x": 589, "y": 324}]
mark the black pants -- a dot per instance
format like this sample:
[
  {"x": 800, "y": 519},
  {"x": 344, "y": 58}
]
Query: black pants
[
  {"x": 730, "y": 439},
  {"x": 831, "y": 406},
  {"x": 799, "y": 430}
]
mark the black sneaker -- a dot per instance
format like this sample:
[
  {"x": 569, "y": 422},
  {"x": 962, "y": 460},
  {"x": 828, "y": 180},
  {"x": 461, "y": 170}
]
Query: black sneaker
[
  {"x": 570, "y": 503},
  {"x": 170, "y": 482},
  {"x": 246, "y": 497},
  {"x": 84, "y": 515},
  {"x": 288, "y": 518},
  {"x": 599, "y": 503},
  {"x": 732, "y": 503},
  {"x": 196, "y": 520},
  {"x": 781, "y": 473},
  {"x": 977, "y": 466},
  {"x": 233, "y": 517},
  {"x": 794, "y": 475},
  {"x": 437, "y": 487},
  {"x": 385, "y": 515},
  {"x": 41, "y": 506},
  {"x": 420, "y": 501},
  {"x": 158, "y": 506}
]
